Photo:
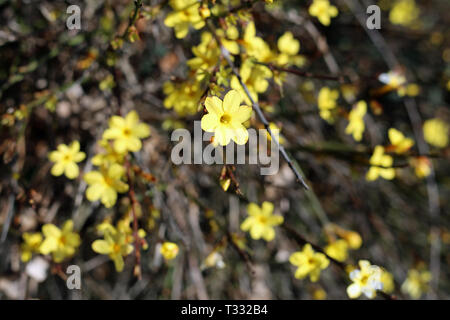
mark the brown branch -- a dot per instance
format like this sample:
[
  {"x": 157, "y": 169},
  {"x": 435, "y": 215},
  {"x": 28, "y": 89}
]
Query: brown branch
[
  {"x": 244, "y": 256},
  {"x": 271, "y": 66},
  {"x": 137, "y": 242}
]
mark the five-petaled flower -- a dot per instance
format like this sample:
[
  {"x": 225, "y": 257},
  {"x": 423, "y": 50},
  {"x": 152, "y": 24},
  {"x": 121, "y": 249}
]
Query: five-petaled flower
[
  {"x": 323, "y": 10},
  {"x": 115, "y": 245},
  {"x": 309, "y": 263},
  {"x": 261, "y": 221},
  {"x": 126, "y": 132},
  {"x": 66, "y": 158},
  {"x": 105, "y": 184},
  {"x": 416, "y": 283},
  {"x": 61, "y": 243},
  {"x": 225, "y": 118},
  {"x": 366, "y": 280}
]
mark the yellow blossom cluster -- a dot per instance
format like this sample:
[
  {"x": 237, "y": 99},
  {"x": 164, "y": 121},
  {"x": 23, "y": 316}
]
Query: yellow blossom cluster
[
  {"x": 122, "y": 136},
  {"x": 118, "y": 241},
  {"x": 59, "y": 243}
]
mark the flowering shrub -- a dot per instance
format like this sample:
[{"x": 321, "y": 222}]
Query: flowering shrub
[{"x": 358, "y": 117}]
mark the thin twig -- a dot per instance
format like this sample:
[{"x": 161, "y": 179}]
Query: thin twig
[{"x": 137, "y": 241}]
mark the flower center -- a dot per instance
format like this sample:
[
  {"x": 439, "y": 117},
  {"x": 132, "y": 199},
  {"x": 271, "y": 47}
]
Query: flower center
[
  {"x": 126, "y": 132},
  {"x": 225, "y": 119},
  {"x": 116, "y": 248},
  {"x": 262, "y": 219}
]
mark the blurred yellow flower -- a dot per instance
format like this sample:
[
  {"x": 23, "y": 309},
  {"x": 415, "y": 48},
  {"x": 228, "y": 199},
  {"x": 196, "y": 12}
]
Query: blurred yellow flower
[
  {"x": 356, "y": 121},
  {"x": 366, "y": 280},
  {"x": 61, "y": 243},
  {"x": 105, "y": 184},
  {"x": 66, "y": 158},
  {"x": 254, "y": 77},
  {"x": 422, "y": 166},
  {"x": 186, "y": 13},
  {"x": 435, "y": 132},
  {"x": 319, "y": 294},
  {"x": 381, "y": 165},
  {"x": 327, "y": 102},
  {"x": 225, "y": 118},
  {"x": 416, "y": 283},
  {"x": 399, "y": 142},
  {"x": 169, "y": 250},
  {"x": 309, "y": 263},
  {"x": 108, "y": 157},
  {"x": 183, "y": 96},
  {"x": 126, "y": 132},
  {"x": 289, "y": 48},
  {"x": 387, "y": 279},
  {"x": 115, "y": 245},
  {"x": 323, "y": 10},
  {"x": 255, "y": 46},
  {"x": 337, "y": 250},
  {"x": 30, "y": 245},
  {"x": 261, "y": 221},
  {"x": 404, "y": 12}
]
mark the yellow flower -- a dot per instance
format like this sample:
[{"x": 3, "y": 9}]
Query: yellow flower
[
  {"x": 61, "y": 243},
  {"x": 404, "y": 12},
  {"x": 416, "y": 283},
  {"x": 225, "y": 118},
  {"x": 169, "y": 250},
  {"x": 114, "y": 245},
  {"x": 337, "y": 250},
  {"x": 30, "y": 245},
  {"x": 323, "y": 10},
  {"x": 289, "y": 48},
  {"x": 261, "y": 221},
  {"x": 183, "y": 96},
  {"x": 309, "y": 263},
  {"x": 352, "y": 238},
  {"x": 254, "y": 76},
  {"x": 185, "y": 14},
  {"x": 126, "y": 132},
  {"x": 255, "y": 46},
  {"x": 387, "y": 279},
  {"x": 66, "y": 158},
  {"x": 422, "y": 166},
  {"x": 288, "y": 44},
  {"x": 411, "y": 90},
  {"x": 381, "y": 165},
  {"x": 327, "y": 102},
  {"x": 435, "y": 132},
  {"x": 105, "y": 184},
  {"x": 356, "y": 121},
  {"x": 399, "y": 142},
  {"x": 366, "y": 280},
  {"x": 108, "y": 157}
]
